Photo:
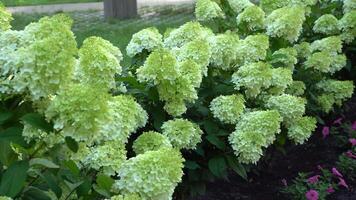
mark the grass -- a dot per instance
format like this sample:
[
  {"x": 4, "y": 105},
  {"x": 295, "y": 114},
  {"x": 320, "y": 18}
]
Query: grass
[
  {"x": 41, "y": 2},
  {"x": 118, "y": 32}
]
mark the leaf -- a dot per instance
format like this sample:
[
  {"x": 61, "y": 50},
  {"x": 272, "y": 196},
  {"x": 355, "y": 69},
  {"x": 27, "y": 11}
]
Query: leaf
[
  {"x": 52, "y": 183},
  {"x": 236, "y": 166},
  {"x": 105, "y": 182},
  {"x": 159, "y": 116},
  {"x": 4, "y": 116},
  {"x": 73, "y": 186},
  {"x": 210, "y": 127},
  {"x": 73, "y": 168},
  {"x": 197, "y": 188},
  {"x": 84, "y": 188},
  {"x": 72, "y": 144},
  {"x": 43, "y": 162},
  {"x": 13, "y": 134},
  {"x": 37, "y": 121},
  {"x": 191, "y": 165},
  {"x": 216, "y": 141},
  {"x": 217, "y": 166},
  {"x": 14, "y": 179},
  {"x": 34, "y": 193},
  {"x": 7, "y": 155}
]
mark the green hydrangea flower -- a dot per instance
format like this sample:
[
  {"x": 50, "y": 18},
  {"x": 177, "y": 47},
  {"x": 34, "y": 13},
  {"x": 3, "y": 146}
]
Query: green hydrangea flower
[
  {"x": 333, "y": 92},
  {"x": 126, "y": 197},
  {"x": 349, "y": 5},
  {"x": 271, "y": 5},
  {"x": 347, "y": 25},
  {"x": 285, "y": 56},
  {"x": 99, "y": 61},
  {"x": 252, "y": 49},
  {"x": 297, "y": 88},
  {"x": 150, "y": 141},
  {"x": 147, "y": 39},
  {"x": 281, "y": 79},
  {"x": 239, "y": 5},
  {"x": 332, "y": 44},
  {"x": 76, "y": 111},
  {"x": 253, "y": 78},
  {"x": 300, "y": 129},
  {"x": 206, "y": 10},
  {"x": 152, "y": 175},
  {"x": 286, "y": 23},
  {"x": 5, "y": 198},
  {"x": 186, "y": 33},
  {"x": 5, "y": 18},
  {"x": 31, "y": 133},
  {"x": 320, "y": 61},
  {"x": 253, "y": 18},
  {"x": 224, "y": 50},
  {"x": 124, "y": 117},
  {"x": 289, "y": 107},
  {"x": 198, "y": 51},
  {"x": 255, "y": 130},
  {"x": 303, "y": 49},
  {"x": 182, "y": 133},
  {"x": 228, "y": 108},
  {"x": 326, "y": 24}
]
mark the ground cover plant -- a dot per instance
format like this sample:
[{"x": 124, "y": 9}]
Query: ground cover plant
[{"x": 197, "y": 100}]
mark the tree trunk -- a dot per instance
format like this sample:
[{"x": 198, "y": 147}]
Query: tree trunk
[{"x": 120, "y": 9}]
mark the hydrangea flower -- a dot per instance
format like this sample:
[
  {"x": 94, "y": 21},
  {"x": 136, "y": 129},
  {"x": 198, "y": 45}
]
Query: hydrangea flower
[
  {"x": 303, "y": 49},
  {"x": 255, "y": 130},
  {"x": 326, "y": 24},
  {"x": 107, "y": 157},
  {"x": 239, "y": 5},
  {"x": 99, "y": 61},
  {"x": 5, "y": 18},
  {"x": 76, "y": 111},
  {"x": 301, "y": 128},
  {"x": 347, "y": 25},
  {"x": 270, "y": 5},
  {"x": 333, "y": 92},
  {"x": 31, "y": 133},
  {"x": 228, "y": 108},
  {"x": 182, "y": 133},
  {"x": 5, "y": 198},
  {"x": 281, "y": 79},
  {"x": 186, "y": 33},
  {"x": 198, "y": 51},
  {"x": 252, "y": 49},
  {"x": 147, "y": 39},
  {"x": 320, "y": 61},
  {"x": 253, "y": 18},
  {"x": 224, "y": 50},
  {"x": 289, "y": 107},
  {"x": 332, "y": 44},
  {"x": 253, "y": 78},
  {"x": 150, "y": 141},
  {"x": 152, "y": 175},
  {"x": 287, "y": 57},
  {"x": 126, "y": 197},
  {"x": 349, "y": 5},
  {"x": 296, "y": 88},
  {"x": 206, "y": 10},
  {"x": 286, "y": 23}
]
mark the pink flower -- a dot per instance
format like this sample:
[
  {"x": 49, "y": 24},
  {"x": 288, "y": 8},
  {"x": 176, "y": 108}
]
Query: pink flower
[
  {"x": 313, "y": 179},
  {"x": 336, "y": 172},
  {"x": 343, "y": 183},
  {"x": 330, "y": 190},
  {"x": 350, "y": 154},
  {"x": 284, "y": 182},
  {"x": 326, "y": 131},
  {"x": 338, "y": 121},
  {"x": 352, "y": 141},
  {"x": 354, "y": 126},
  {"x": 312, "y": 195}
]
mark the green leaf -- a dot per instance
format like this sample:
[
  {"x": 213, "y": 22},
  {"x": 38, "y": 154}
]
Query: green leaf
[
  {"x": 236, "y": 166},
  {"x": 73, "y": 168},
  {"x": 52, "y": 183},
  {"x": 43, "y": 162},
  {"x": 7, "y": 155},
  {"x": 105, "y": 182},
  {"x": 84, "y": 188},
  {"x": 216, "y": 141},
  {"x": 211, "y": 127},
  {"x": 217, "y": 166},
  {"x": 33, "y": 193},
  {"x": 14, "y": 179},
  {"x": 4, "y": 116},
  {"x": 72, "y": 144},
  {"x": 159, "y": 116},
  {"x": 191, "y": 165},
  {"x": 13, "y": 134},
  {"x": 37, "y": 121}
]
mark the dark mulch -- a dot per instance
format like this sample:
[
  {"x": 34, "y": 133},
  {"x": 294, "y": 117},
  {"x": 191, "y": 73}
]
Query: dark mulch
[{"x": 302, "y": 158}]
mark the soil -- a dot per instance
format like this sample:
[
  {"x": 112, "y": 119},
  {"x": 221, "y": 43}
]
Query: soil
[{"x": 300, "y": 158}]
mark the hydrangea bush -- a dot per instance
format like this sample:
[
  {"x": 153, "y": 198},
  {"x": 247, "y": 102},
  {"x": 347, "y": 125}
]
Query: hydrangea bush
[{"x": 212, "y": 94}]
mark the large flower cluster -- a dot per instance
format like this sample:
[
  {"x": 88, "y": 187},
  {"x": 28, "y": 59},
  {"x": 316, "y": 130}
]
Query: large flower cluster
[
  {"x": 5, "y": 198},
  {"x": 126, "y": 197},
  {"x": 326, "y": 24},
  {"x": 228, "y": 108},
  {"x": 301, "y": 129},
  {"x": 150, "y": 141},
  {"x": 182, "y": 133},
  {"x": 5, "y": 18},
  {"x": 254, "y": 131},
  {"x": 147, "y": 39},
  {"x": 252, "y": 18},
  {"x": 347, "y": 25},
  {"x": 252, "y": 49},
  {"x": 206, "y": 10},
  {"x": 152, "y": 175}
]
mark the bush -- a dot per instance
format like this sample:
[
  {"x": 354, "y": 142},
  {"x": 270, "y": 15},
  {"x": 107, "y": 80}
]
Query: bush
[{"x": 217, "y": 91}]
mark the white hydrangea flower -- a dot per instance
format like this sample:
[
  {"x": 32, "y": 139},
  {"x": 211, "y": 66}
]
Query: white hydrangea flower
[
  {"x": 300, "y": 129},
  {"x": 326, "y": 24},
  {"x": 228, "y": 108},
  {"x": 147, "y": 39},
  {"x": 206, "y": 10},
  {"x": 239, "y": 5},
  {"x": 349, "y": 5},
  {"x": 252, "y": 18}
]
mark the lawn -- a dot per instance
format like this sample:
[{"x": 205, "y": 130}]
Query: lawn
[
  {"x": 119, "y": 32},
  {"x": 40, "y": 2}
]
